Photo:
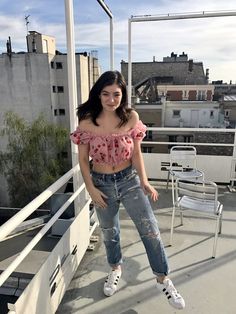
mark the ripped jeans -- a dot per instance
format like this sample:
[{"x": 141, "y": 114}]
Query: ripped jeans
[{"x": 124, "y": 187}]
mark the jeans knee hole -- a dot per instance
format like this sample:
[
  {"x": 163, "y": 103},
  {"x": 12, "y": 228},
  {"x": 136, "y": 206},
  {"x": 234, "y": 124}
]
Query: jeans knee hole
[{"x": 109, "y": 233}]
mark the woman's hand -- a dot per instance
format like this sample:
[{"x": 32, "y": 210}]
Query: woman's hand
[
  {"x": 97, "y": 197},
  {"x": 150, "y": 190}
]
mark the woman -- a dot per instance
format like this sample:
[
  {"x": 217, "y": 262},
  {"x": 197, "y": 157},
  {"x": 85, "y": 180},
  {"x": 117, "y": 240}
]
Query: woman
[{"x": 110, "y": 133}]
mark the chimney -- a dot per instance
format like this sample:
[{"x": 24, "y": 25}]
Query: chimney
[
  {"x": 8, "y": 44},
  {"x": 190, "y": 65},
  {"x": 207, "y": 74}
]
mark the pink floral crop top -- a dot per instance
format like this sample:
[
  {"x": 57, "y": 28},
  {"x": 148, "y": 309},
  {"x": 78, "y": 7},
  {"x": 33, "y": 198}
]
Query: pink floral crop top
[{"x": 112, "y": 148}]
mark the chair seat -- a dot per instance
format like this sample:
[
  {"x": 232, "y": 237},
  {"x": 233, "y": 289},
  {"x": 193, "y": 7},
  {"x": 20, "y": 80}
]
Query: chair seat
[
  {"x": 200, "y": 196},
  {"x": 194, "y": 173},
  {"x": 206, "y": 206}
]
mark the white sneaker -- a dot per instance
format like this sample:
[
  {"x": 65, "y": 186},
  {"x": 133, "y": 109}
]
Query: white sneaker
[
  {"x": 174, "y": 298},
  {"x": 110, "y": 285}
]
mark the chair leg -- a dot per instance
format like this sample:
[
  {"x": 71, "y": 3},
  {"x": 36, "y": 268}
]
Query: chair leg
[
  {"x": 220, "y": 224},
  {"x": 181, "y": 218},
  {"x": 168, "y": 179},
  {"x": 173, "y": 190},
  {"x": 172, "y": 225},
  {"x": 216, "y": 237}
]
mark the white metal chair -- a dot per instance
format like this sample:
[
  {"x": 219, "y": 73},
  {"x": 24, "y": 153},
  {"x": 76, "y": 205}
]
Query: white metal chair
[
  {"x": 183, "y": 164},
  {"x": 198, "y": 196}
]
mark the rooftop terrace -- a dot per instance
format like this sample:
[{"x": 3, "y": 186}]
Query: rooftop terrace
[{"x": 208, "y": 285}]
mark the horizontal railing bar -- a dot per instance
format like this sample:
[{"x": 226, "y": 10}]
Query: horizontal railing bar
[
  {"x": 181, "y": 130},
  {"x": 26, "y": 211},
  {"x": 8, "y": 271},
  {"x": 189, "y": 143}
]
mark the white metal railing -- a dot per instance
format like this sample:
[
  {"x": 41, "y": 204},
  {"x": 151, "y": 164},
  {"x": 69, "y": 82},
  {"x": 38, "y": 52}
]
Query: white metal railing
[
  {"x": 219, "y": 168},
  {"x": 25, "y": 212},
  {"x": 18, "y": 218},
  {"x": 8, "y": 271}
]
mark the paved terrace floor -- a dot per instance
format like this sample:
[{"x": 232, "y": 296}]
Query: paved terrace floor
[{"x": 208, "y": 285}]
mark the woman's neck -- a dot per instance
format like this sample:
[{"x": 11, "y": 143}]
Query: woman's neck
[{"x": 108, "y": 120}]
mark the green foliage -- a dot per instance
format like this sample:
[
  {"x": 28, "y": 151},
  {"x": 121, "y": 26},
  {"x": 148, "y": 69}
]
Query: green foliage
[{"x": 33, "y": 159}]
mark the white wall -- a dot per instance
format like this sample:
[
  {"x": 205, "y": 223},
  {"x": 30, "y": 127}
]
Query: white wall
[{"x": 192, "y": 114}]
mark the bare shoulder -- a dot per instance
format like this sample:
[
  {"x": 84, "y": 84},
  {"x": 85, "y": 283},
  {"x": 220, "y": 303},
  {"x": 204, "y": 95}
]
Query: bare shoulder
[
  {"x": 86, "y": 125},
  {"x": 133, "y": 119}
]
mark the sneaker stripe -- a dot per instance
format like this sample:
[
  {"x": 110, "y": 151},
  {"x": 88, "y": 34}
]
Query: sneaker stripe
[{"x": 172, "y": 295}]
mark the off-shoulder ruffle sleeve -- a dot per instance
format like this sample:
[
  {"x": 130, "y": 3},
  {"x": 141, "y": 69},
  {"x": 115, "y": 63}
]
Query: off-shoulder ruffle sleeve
[
  {"x": 139, "y": 131},
  {"x": 80, "y": 137}
]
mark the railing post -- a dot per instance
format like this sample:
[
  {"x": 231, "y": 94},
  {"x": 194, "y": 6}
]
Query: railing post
[
  {"x": 129, "y": 64},
  {"x": 72, "y": 88}
]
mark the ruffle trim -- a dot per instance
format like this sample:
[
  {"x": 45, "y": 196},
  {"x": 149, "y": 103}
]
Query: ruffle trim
[{"x": 83, "y": 137}]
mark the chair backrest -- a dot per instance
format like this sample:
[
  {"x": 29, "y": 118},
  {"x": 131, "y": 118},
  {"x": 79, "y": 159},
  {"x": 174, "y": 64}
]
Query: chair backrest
[
  {"x": 202, "y": 190},
  {"x": 183, "y": 158}
]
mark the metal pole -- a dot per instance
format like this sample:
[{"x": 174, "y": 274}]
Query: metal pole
[
  {"x": 129, "y": 64},
  {"x": 72, "y": 85},
  {"x": 181, "y": 16},
  {"x": 111, "y": 46},
  {"x": 109, "y": 13}
]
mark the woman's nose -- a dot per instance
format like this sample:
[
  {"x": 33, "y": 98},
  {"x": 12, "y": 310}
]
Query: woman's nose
[{"x": 112, "y": 98}]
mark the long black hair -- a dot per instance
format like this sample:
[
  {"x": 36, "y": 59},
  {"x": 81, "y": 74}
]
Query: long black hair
[{"x": 93, "y": 107}]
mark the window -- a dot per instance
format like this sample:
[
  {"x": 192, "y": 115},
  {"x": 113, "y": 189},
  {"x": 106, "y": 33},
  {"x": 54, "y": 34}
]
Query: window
[
  {"x": 211, "y": 114},
  {"x": 62, "y": 112},
  {"x": 60, "y": 89},
  {"x": 149, "y": 133},
  {"x": 147, "y": 149},
  {"x": 59, "y": 112},
  {"x": 183, "y": 138},
  {"x": 201, "y": 95},
  {"x": 54, "y": 89},
  {"x": 185, "y": 95},
  {"x": 52, "y": 65},
  {"x": 226, "y": 113},
  {"x": 58, "y": 65},
  {"x": 176, "y": 113}
]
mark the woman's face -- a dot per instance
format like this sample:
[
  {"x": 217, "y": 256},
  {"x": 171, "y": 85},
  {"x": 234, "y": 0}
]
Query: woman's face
[{"x": 111, "y": 96}]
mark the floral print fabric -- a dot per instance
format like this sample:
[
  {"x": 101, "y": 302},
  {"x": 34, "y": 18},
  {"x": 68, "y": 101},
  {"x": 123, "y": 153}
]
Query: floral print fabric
[{"x": 111, "y": 148}]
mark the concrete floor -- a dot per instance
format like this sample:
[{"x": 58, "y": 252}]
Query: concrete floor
[{"x": 208, "y": 285}]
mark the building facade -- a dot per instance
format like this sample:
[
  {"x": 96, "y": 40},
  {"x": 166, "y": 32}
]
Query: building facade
[{"x": 36, "y": 82}]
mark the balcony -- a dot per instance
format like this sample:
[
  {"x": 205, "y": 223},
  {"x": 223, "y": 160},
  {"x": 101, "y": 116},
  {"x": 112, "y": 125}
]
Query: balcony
[{"x": 50, "y": 260}]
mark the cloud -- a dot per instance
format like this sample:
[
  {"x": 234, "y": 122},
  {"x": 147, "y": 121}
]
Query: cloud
[{"x": 209, "y": 40}]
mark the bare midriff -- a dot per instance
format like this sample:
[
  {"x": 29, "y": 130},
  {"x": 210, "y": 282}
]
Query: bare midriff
[{"x": 108, "y": 169}]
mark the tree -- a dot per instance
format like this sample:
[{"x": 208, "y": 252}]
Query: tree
[{"x": 33, "y": 158}]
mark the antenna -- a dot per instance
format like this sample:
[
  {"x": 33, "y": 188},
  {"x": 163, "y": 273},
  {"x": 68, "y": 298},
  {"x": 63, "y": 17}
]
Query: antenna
[{"x": 27, "y": 23}]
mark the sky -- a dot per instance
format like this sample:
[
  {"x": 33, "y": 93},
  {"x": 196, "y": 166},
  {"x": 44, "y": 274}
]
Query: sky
[{"x": 209, "y": 40}]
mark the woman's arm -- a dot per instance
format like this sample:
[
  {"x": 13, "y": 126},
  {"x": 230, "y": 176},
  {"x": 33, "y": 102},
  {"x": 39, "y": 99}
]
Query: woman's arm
[
  {"x": 138, "y": 164},
  {"x": 96, "y": 195}
]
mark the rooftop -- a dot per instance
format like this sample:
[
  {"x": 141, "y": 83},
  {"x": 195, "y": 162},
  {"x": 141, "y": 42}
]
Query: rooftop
[{"x": 208, "y": 285}]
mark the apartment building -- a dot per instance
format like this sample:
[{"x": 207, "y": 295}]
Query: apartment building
[
  {"x": 175, "y": 93},
  {"x": 36, "y": 82}
]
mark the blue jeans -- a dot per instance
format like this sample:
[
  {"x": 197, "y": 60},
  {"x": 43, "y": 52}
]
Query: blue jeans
[{"x": 124, "y": 187}]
